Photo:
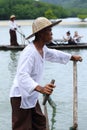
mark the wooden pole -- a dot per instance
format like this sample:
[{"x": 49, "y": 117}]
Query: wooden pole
[
  {"x": 75, "y": 95},
  {"x": 45, "y": 98},
  {"x": 46, "y": 115}
]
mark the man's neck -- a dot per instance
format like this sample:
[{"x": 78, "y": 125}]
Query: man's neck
[{"x": 39, "y": 47}]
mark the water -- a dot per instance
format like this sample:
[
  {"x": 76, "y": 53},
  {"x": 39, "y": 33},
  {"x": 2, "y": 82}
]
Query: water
[{"x": 63, "y": 75}]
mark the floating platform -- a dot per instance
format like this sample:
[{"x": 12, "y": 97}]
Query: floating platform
[
  {"x": 56, "y": 46},
  {"x": 8, "y": 47},
  {"x": 68, "y": 46}
]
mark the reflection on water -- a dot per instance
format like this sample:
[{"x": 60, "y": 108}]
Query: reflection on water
[
  {"x": 53, "y": 106},
  {"x": 53, "y": 120},
  {"x": 8, "y": 64},
  {"x": 14, "y": 55}
]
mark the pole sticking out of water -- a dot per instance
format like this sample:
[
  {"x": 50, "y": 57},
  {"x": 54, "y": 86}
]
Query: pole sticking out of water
[
  {"x": 46, "y": 97},
  {"x": 75, "y": 94},
  {"x": 75, "y": 98}
]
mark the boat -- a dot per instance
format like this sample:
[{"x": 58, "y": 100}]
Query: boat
[
  {"x": 9, "y": 47},
  {"x": 51, "y": 45},
  {"x": 68, "y": 46}
]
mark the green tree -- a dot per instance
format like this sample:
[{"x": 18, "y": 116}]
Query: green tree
[
  {"x": 31, "y": 9},
  {"x": 49, "y": 14},
  {"x": 82, "y": 17}
]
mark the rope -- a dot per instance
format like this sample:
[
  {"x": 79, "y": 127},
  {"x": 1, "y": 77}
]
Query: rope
[{"x": 22, "y": 36}]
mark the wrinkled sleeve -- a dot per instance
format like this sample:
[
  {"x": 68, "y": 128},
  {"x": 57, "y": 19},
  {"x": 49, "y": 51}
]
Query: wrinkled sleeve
[{"x": 54, "y": 55}]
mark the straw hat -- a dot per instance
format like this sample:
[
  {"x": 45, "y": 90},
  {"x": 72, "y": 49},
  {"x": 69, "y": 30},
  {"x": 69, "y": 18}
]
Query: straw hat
[
  {"x": 12, "y": 16},
  {"x": 40, "y": 24}
]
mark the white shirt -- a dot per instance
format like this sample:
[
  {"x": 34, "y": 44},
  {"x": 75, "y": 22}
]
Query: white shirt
[
  {"x": 77, "y": 39},
  {"x": 30, "y": 70},
  {"x": 12, "y": 25}
]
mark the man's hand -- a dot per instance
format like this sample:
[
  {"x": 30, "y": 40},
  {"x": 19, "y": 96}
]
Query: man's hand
[
  {"x": 19, "y": 26},
  {"x": 47, "y": 89},
  {"x": 76, "y": 58},
  {"x": 15, "y": 28}
]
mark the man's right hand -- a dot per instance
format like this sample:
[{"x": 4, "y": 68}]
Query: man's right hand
[
  {"x": 15, "y": 28},
  {"x": 47, "y": 89}
]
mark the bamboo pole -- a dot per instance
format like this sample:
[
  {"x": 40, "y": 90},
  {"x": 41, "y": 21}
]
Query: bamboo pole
[
  {"x": 75, "y": 95},
  {"x": 46, "y": 115},
  {"x": 45, "y": 98}
]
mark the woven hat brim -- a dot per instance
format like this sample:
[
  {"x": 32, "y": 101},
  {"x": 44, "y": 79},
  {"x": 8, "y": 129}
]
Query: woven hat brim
[{"x": 53, "y": 24}]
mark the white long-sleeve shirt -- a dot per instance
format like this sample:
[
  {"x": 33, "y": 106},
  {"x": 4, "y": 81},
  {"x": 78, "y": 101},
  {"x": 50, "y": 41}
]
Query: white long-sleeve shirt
[
  {"x": 30, "y": 70},
  {"x": 12, "y": 25}
]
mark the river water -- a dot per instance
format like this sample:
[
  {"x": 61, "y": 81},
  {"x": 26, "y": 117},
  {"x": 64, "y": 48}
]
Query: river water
[{"x": 62, "y": 118}]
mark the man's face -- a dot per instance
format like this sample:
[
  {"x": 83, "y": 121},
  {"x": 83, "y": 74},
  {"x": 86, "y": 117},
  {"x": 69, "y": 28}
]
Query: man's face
[{"x": 47, "y": 35}]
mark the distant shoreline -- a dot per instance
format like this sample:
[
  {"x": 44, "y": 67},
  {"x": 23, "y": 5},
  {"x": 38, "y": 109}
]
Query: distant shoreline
[
  {"x": 29, "y": 22},
  {"x": 73, "y": 23}
]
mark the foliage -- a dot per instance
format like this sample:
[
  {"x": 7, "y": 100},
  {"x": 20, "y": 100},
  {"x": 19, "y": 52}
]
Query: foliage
[
  {"x": 49, "y": 14},
  {"x": 28, "y": 9},
  {"x": 31, "y": 9},
  {"x": 68, "y": 3},
  {"x": 82, "y": 17},
  {"x": 71, "y": 7}
]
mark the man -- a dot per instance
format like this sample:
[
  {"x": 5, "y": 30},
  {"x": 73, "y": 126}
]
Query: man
[
  {"x": 68, "y": 38},
  {"x": 77, "y": 37},
  {"x": 12, "y": 30},
  {"x": 26, "y": 111}
]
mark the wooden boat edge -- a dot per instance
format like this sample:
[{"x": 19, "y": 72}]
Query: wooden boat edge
[{"x": 58, "y": 46}]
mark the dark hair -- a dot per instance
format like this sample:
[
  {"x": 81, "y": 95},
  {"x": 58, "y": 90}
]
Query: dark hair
[{"x": 68, "y": 32}]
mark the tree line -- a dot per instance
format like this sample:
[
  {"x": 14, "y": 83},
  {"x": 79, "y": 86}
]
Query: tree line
[
  {"x": 31, "y": 9},
  {"x": 68, "y": 3}
]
